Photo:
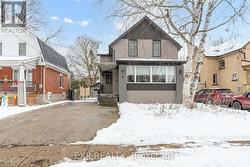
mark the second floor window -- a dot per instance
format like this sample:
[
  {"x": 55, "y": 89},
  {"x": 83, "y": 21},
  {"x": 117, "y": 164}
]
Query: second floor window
[
  {"x": 132, "y": 48},
  {"x": 1, "y": 49},
  {"x": 22, "y": 49},
  {"x": 215, "y": 79},
  {"x": 222, "y": 64},
  {"x": 13, "y": 13},
  {"x": 156, "y": 48}
]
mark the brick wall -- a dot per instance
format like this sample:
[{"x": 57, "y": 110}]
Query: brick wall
[
  {"x": 53, "y": 82},
  {"x": 37, "y": 78},
  {"x": 6, "y": 71}
]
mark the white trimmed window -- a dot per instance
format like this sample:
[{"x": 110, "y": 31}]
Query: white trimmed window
[
  {"x": 15, "y": 75},
  {"x": 171, "y": 74},
  {"x": 131, "y": 74},
  {"x": 151, "y": 74},
  {"x": 27, "y": 74},
  {"x": 61, "y": 82},
  {"x": 159, "y": 74},
  {"x": 156, "y": 48},
  {"x": 132, "y": 48},
  {"x": 142, "y": 74},
  {"x": 22, "y": 49}
]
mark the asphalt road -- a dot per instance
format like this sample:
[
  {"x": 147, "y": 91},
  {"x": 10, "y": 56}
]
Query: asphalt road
[{"x": 62, "y": 124}]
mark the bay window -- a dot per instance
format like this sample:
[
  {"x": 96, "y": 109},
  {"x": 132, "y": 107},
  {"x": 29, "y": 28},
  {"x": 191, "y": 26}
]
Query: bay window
[
  {"x": 142, "y": 74},
  {"x": 151, "y": 74}
]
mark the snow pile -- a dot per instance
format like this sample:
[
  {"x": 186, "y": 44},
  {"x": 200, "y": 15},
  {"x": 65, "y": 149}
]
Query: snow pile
[
  {"x": 9, "y": 111},
  {"x": 193, "y": 157},
  {"x": 162, "y": 124}
]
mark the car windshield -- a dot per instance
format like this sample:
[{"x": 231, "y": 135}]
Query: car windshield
[{"x": 224, "y": 91}]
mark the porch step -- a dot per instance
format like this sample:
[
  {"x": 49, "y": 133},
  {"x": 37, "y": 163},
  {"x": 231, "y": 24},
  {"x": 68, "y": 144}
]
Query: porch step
[{"x": 108, "y": 100}]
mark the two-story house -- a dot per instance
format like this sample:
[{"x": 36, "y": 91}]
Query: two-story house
[
  {"x": 142, "y": 66},
  {"x": 227, "y": 66},
  {"x": 30, "y": 70}
]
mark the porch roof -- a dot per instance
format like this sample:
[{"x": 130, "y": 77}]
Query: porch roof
[
  {"x": 17, "y": 61},
  {"x": 107, "y": 66}
]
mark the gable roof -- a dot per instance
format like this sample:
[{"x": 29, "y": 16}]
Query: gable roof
[
  {"x": 153, "y": 24},
  {"x": 53, "y": 57}
]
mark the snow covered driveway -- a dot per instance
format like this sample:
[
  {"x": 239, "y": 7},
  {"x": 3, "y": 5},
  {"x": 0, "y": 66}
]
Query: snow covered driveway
[
  {"x": 61, "y": 124},
  {"x": 164, "y": 124}
]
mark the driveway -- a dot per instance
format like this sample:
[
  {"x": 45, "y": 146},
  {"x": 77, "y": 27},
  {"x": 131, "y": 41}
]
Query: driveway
[{"x": 62, "y": 124}]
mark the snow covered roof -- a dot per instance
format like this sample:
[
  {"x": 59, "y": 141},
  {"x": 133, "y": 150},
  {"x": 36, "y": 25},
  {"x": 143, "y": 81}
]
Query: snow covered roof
[{"x": 224, "y": 48}]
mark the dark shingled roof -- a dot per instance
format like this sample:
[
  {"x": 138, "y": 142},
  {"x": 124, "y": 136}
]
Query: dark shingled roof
[{"x": 53, "y": 57}]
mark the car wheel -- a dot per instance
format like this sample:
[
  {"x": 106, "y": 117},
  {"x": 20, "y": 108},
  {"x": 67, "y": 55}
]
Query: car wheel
[{"x": 237, "y": 106}]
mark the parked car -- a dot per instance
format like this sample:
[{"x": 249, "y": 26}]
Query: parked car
[
  {"x": 214, "y": 96},
  {"x": 241, "y": 102}
]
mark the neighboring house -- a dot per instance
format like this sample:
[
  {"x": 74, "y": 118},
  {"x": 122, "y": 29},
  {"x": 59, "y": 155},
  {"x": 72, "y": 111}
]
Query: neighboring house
[
  {"x": 142, "y": 66},
  {"x": 227, "y": 66},
  {"x": 30, "y": 70},
  {"x": 24, "y": 57}
]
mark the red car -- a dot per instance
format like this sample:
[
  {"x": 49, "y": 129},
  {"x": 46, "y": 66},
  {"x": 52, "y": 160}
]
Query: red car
[
  {"x": 241, "y": 102},
  {"x": 214, "y": 96}
]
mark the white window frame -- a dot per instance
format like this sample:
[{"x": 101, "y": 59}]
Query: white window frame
[
  {"x": 61, "y": 84},
  {"x": 26, "y": 75},
  {"x": 151, "y": 76},
  {"x": 1, "y": 48}
]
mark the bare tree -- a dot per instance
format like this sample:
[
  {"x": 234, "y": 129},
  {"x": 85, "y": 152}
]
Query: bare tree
[
  {"x": 53, "y": 35},
  {"x": 190, "y": 21},
  {"x": 83, "y": 59},
  {"x": 35, "y": 15}
]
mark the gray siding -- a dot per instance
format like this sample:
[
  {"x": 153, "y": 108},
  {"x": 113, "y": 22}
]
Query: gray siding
[
  {"x": 122, "y": 84},
  {"x": 106, "y": 58},
  {"x": 151, "y": 97},
  {"x": 115, "y": 82},
  {"x": 168, "y": 49}
]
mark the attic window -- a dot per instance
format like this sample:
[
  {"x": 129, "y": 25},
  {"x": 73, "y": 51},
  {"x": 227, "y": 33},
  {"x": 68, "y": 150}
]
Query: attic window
[{"x": 13, "y": 13}]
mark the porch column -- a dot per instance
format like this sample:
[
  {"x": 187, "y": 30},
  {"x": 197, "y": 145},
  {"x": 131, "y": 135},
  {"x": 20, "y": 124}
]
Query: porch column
[{"x": 21, "y": 91}]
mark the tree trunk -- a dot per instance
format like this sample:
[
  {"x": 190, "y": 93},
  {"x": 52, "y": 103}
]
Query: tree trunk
[{"x": 187, "y": 100}]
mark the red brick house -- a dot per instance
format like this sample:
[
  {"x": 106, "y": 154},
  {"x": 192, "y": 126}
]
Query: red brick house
[{"x": 31, "y": 70}]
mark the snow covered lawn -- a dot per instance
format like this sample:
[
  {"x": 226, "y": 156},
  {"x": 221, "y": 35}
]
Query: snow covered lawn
[
  {"x": 9, "y": 111},
  {"x": 208, "y": 156},
  {"x": 163, "y": 124}
]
